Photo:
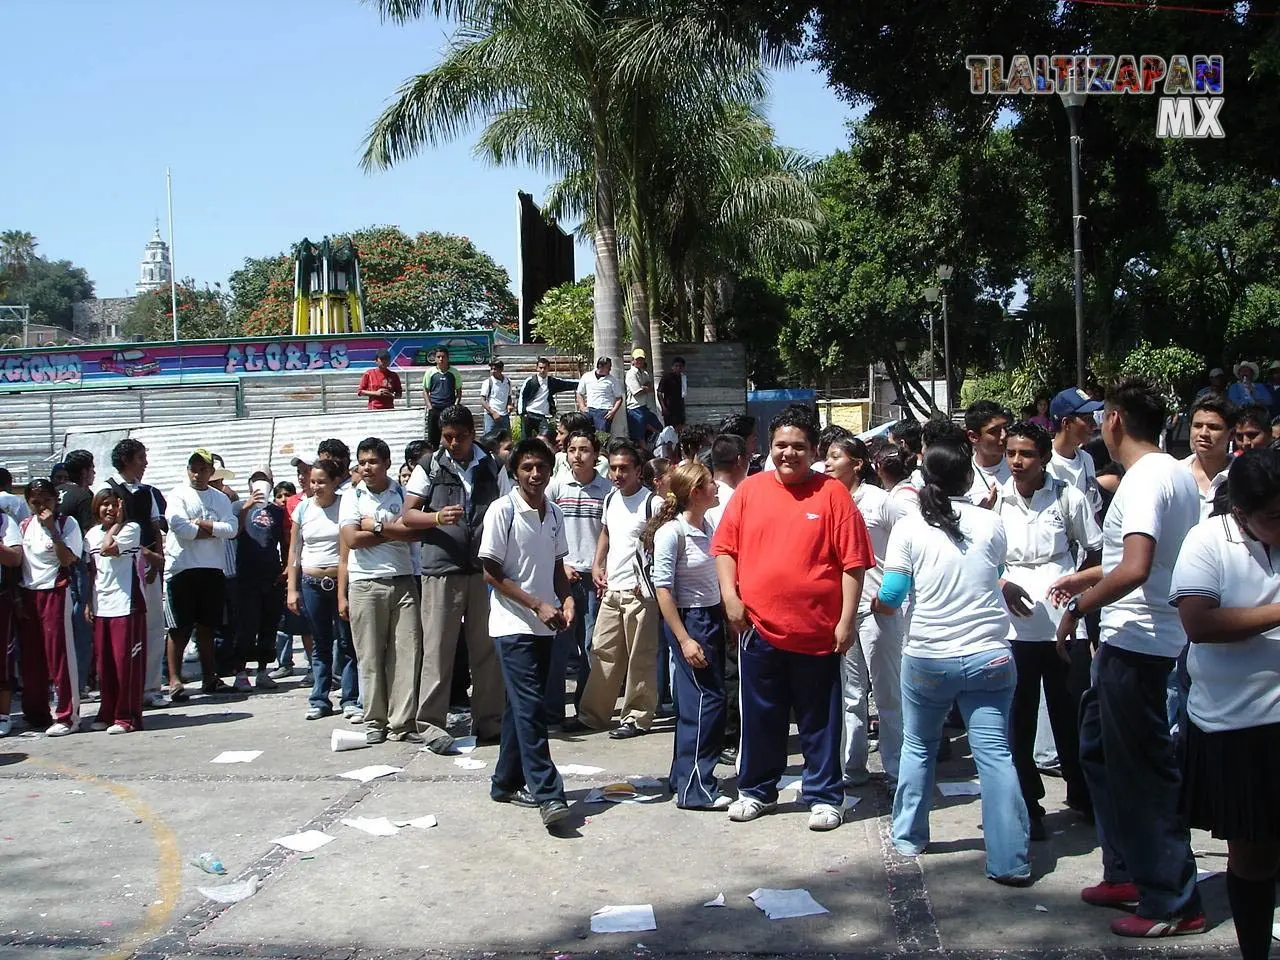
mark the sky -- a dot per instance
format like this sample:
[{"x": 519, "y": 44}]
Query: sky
[{"x": 259, "y": 108}]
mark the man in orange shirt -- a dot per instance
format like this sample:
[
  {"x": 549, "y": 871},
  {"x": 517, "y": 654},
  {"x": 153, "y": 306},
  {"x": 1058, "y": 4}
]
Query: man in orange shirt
[
  {"x": 381, "y": 384},
  {"x": 790, "y": 552}
]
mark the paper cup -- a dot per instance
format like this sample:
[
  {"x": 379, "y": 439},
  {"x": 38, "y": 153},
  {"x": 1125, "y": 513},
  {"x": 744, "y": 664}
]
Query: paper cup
[{"x": 348, "y": 740}]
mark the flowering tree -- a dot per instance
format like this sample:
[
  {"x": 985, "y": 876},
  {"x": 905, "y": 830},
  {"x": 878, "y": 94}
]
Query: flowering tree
[
  {"x": 432, "y": 281},
  {"x": 202, "y": 314}
]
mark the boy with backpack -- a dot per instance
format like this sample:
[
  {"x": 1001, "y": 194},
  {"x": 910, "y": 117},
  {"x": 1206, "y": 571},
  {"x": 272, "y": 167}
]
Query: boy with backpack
[{"x": 624, "y": 650}]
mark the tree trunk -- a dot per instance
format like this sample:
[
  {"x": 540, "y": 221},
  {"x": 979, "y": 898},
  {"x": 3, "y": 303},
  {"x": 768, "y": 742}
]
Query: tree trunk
[
  {"x": 608, "y": 288},
  {"x": 708, "y": 311}
]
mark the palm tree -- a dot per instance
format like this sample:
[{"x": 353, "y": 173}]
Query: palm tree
[
  {"x": 552, "y": 79},
  {"x": 17, "y": 250}
]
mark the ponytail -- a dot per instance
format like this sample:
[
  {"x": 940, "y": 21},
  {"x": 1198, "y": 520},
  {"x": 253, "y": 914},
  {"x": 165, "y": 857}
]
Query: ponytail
[
  {"x": 685, "y": 479},
  {"x": 948, "y": 472},
  {"x": 666, "y": 513}
]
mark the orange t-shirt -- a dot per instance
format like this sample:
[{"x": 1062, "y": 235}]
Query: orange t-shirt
[{"x": 793, "y": 544}]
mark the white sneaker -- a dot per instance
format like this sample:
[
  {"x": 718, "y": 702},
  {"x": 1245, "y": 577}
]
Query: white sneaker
[
  {"x": 748, "y": 808},
  {"x": 242, "y": 684},
  {"x": 59, "y": 730},
  {"x": 263, "y": 681},
  {"x": 6, "y": 725},
  {"x": 824, "y": 816},
  {"x": 722, "y": 802},
  {"x": 116, "y": 728},
  {"x": 357, "y": 717}
]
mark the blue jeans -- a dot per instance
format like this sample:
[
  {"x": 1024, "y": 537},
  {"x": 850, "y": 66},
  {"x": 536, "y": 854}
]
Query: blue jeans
[
  {"x": 640, "y": 421},
  {"x": 572, "y": 646},
  {"x": 599, "y": 418},
  {"x": 524, "y": 754},
  {"x": 501, "y": 423},
  {"x": 332, "y": 649},
  {"x": 1131, "y": 764},
  {"x": 81, "y": 629},
  {"x": 982, "y": 684},
  {"x": 700, "y": 715}
]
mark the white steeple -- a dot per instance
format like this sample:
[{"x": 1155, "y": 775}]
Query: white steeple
[{"x": 155, "y": 271}]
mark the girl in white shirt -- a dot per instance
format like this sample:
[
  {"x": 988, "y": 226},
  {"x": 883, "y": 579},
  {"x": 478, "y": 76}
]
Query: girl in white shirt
[
  {"x": 948, "y": 558},
  {"x": 1226, "y": 586},
  {"x": 688, "y": 594},
  {"x": 118, "y": 614},
  {"x": 874, "y": 661},
  {"x": 50, "y": 544}
]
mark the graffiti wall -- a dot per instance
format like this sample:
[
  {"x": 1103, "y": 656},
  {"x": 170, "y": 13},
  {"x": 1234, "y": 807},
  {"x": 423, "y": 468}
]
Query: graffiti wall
[{"x": 204, "y": 360}]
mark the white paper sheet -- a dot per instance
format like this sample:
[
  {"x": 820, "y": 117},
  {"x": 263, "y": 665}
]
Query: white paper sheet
[
  {"x": 625, "y": 919},
  {"x": 960, "y": 788},
  {"x": 468, "y": 763},
  {"x": 422, "y": 823},
  {"x": 237, "y": 756},
  {"x": 375, "y": 826},
  {"x": 785, "y": 904},
  {"x": 230, "y": 892},
  {"x": 718, "y": 901},
  {"x": 464, "y": 744},
  {"x": 578, "y": 769},
  {"x": 306, "y": 841},
  {"x": 365, "y": 774}
]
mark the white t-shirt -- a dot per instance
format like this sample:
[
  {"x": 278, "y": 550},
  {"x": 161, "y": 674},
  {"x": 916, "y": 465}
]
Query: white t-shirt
[
  {"x": 14, "y": 507},
  {"x": 956, "y": 608},
  {"x": 623, "y": 518},
  {"x": 529, "y": 549},
  {"x": 113, "y": 576},
  {"x": 10, "y": 535},
  {"x": 667, "y": 444},
  {"x": 1080, "y": 472},
  {"x": 1233, "y": 685},
  {"x": 984, "y": 478},
  {"x": 1206, "y": 496},
  {"x": 724, "y": 492},
  {"x": 682, "y": 563},
  {"x": 318, "y": 528},
  {"x": 390, "y": 558},
  {"x": 40, "y": 564},
  {"x": 1157, "y": 497},
  {"x": 540, "y": 399},
  {"x": 599, "y": 392},
  {"x": 496, "y": 393},
  {"x": 879, "y": 512},
  {"x": 1038, "y": 536},
  {"x": 907, "y": 495},
  {"x": 183, "y": 551}
]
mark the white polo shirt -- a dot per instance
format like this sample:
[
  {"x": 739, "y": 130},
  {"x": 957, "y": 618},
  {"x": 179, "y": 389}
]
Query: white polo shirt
[
  {"x": 40, "y": 563},
  {"x": 1233, "y": 685},
  {"x": 985, "y": 478},
  {"x": 1038, "y": 535},
  {"x": 529, "y": 548},
  {"x": 496, "y": 393},
  {"x": 1157, "y": 498},
  {"x": 1206, "y": 496},
  {"x": 599, "y": 392},
  {"x": 682, "y": 563},
  {"x": 879, "y": 512},
  {"x": 391, "y": 558}
]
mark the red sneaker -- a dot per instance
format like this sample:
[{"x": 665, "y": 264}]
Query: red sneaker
[
  {"x": 1135, "y": 926},
  {"x": 1107, "y": 894}
]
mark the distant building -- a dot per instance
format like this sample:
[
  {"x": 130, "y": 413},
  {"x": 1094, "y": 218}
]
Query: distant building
[
  {"x": 156, "y": 270},
  {"x": 101, "y": 320}
]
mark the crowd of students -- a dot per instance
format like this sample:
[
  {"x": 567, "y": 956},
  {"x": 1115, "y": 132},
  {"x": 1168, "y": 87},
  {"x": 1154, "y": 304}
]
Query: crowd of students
[{"x": 989, "y": 572}]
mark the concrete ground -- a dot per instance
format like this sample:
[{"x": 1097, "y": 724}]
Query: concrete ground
[{"x": 97, "y": 834}]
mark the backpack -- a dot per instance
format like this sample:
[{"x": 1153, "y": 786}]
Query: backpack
[{"x": 642, "y": 559}]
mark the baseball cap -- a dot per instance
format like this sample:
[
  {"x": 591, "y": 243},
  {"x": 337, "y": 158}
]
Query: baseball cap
[
  {"x": 1070, "y": 401},
  {"x": 637, "y": 352},
  {"x": 200, "y": 453},
  {"x": 299, "y": 462}
]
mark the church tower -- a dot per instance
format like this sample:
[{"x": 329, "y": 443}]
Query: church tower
[{"x": 156, "y": 270}]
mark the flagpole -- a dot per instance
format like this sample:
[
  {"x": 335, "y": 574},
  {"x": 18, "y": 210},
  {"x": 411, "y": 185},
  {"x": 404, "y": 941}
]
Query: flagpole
[{"x": 173, "y": 276}]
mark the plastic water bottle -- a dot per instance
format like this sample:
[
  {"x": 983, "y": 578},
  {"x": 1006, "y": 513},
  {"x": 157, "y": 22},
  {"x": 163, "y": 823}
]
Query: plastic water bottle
[{"x": 209, "y": 863}]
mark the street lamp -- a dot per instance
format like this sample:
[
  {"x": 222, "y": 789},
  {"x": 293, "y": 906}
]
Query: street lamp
[
  {"x": 944, "y": 276},
  {"x": 1073, "y": 100},
  {"x": 931, "y": 296}
]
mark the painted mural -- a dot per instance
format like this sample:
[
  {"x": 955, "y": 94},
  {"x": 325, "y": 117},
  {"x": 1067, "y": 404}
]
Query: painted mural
[{"x": 210, "y": 360}]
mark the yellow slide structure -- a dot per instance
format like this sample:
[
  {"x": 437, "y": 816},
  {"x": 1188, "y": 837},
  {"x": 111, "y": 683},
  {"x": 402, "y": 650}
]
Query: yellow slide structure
[{"x": 328, "y": 297}]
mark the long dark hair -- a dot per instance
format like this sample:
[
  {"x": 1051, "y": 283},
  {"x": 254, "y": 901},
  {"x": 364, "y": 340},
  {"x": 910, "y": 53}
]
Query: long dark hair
[
  {"x": 855, "y": 449},
  {"x": 948, "y": 472}
]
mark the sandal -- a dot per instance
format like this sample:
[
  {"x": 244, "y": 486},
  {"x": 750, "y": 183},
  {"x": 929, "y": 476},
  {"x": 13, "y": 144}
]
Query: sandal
[{"x": 179, "y": 694}]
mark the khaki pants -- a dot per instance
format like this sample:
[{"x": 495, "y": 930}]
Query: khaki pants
[
  {"x": 449, "y": 601},
  {"x": 388, "y": 639},
  {"x": 624, "y": 657}
]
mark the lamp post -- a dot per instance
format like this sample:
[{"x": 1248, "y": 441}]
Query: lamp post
[
  {"x": 931, "y": 296},
  {"x": 944, "y": 277},
  {"x": 1073, "y": 100},
  {"x": 903, "y": 405}
]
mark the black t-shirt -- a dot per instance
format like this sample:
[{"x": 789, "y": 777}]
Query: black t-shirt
[
  {"x": 76, "y": 501},
  {"x": 670, "y": 388},
  {"x": 258, "y": 543}
]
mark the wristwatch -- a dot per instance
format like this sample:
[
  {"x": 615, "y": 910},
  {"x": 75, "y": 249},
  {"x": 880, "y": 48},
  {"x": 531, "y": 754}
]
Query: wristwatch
[
  {"x": 377, "y": 528},
  {"x": 1073, "y": 607}
]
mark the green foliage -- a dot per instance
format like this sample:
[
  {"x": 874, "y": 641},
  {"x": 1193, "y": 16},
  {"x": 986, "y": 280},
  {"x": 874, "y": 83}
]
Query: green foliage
[
  {"x": 49, "y": 287},
  {"x": 1172, "y": 369},
  {"x": 202, "y": 314},
  {"x": 432, "y": 281},
  {"x": 998, "y": 385},
  {"x": 565, "y": 317}
]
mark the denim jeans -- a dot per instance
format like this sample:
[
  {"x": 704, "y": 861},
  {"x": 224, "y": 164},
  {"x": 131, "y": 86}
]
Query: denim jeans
[
  {"x": 1130, "y": 763},
  {"x": 572, "y": 646},
  {"x": 500, "y": 423},
  {"x": 641, "y": 420},
  {"x": 982, "y": 684},
  {"x": 78, "y": 594},
  {"x": 332, "y": 649},
  {"x": 599, "y": 419},
  {"x": 524, "y": 754}
]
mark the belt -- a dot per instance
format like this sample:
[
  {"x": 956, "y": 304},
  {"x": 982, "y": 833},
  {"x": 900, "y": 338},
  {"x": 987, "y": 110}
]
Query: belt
[{"x": 327, "y": 584}]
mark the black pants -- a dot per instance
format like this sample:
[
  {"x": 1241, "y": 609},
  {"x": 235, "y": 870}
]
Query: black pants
[
  {"x": 1037, "y": 663},
  {"x": 524, "y": 756},
  {"x": 531, "y": 425},
  {"x": 259, "y": 604},
  {"x": 433, "y": 426},
  {"x": 732, "y": 717},
  {"x": 1130, "y": 764}
]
